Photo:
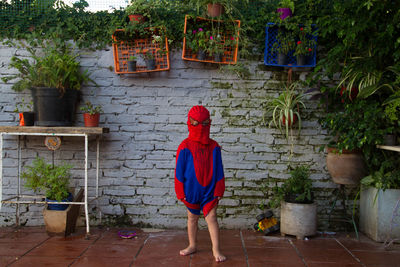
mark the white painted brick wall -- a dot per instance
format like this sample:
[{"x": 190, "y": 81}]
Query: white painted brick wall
[{"x": 146, "y": 115}]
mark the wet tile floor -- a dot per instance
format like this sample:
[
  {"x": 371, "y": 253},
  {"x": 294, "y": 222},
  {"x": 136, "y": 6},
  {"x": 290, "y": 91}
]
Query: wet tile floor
[{"x": 31, "y": 246}]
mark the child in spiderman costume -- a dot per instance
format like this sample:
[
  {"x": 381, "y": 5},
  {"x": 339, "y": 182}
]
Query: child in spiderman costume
[{"x": 199, "y": 178}]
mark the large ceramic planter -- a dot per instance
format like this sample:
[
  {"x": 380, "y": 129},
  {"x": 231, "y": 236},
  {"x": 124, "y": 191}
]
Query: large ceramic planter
[
  {"x": 62, "y": 222},
  {"x": 299, "y": 220},
  {"x": 52, "y": 110},
  {"x": 346, "y": 168},
  {"x": 376, "y": 214}
]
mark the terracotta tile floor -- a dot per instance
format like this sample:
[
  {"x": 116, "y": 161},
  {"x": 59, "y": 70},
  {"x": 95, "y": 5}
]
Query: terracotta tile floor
[{"x": 31, "y": 246}]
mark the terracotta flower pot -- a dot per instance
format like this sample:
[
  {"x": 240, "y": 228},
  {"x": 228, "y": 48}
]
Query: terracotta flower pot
[
  {"x": 347, "y": 168},
  {"x": 91, "y": 120},
  {"x": 289, "y": 122},
  {"x": 137, "y": 17},
  {"x": 215, "y": 10}
]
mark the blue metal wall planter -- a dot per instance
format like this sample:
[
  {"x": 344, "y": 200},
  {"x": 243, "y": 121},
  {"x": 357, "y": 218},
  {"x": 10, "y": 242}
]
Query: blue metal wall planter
[{"x": 271, "y": 58}]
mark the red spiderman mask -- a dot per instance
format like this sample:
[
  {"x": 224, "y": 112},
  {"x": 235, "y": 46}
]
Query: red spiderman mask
[{"x": 201, "y": 131}]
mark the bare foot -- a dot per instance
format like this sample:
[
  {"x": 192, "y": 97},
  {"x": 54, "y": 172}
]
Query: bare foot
[
  {"x": 187, "y": 251},
  {"x": 218, "y": 256}
]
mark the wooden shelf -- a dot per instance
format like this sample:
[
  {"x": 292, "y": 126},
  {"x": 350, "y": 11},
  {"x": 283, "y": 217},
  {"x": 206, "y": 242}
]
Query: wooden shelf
[
  {"x": 391, "y": 148},
  {"x": 53, "y": 130}
]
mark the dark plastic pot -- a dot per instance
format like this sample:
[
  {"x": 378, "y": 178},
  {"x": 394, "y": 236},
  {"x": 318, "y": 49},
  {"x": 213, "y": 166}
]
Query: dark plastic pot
[
  {"x": 201, "y": 55},
  {"x": 131, "y": 65},
  {"x": 282, "y": 59},
  {"x": 151, "y": 64},
  {"x": 218, "y": 57},
  {"x": 51, "y": 109},
  {"x": 285, "y": 12},
  {"x": 59, "y": 206},
  {"x": 301, "y": 60},
  {"x": 29, "y": 118}
]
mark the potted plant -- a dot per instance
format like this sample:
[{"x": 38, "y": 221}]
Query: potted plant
[
  {"x": 355, "y": 127},
  {"x": 285, "y": 109},
  {"x": 149, "y": 57},
  {"x": 298, "y": 209},
  {"x": 132, "y": 64},
  {"x": 305, "y": 45},
  {"x": 380, "y": 192},
  {"x": 54, "y": 79},
  {"x": 91, "y": 115},
  {"x": 215, "y": 46},
  {"x": 283, "y": 46},
  {"x": 26, "y": 116},
  {"x": 138, "y": 10},
  {"x": 285, "y": 8},
  {"x": 52, "y": 180}
]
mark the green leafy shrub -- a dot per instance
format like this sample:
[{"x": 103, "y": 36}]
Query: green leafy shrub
[
  {"x": 297, "y": 188},
  {"x": 52, "y": 180},
  {"x": 57, "y": 68}
]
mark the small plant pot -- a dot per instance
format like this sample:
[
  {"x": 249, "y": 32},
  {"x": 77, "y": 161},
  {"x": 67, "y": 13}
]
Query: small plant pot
[
  {"x": 137, "y": 17},
  {"x": 131, "y": 65},
  {"x": 91, "y": 120},
  {"x": 59, "y": 206},
  {"x": 282, "y": 59},
  {"x": 301, "y": 60},
  {"x": 390, "y": 140},
  {"x": 28, "y": 118},
  {"x": 215, "y": 10},
  {"x": 289, "y": 121},
  {"x": 218, "y": 57},
  {"x": 151, "y": 64},
  {"x": 285, "y": 12},
  {"x": 201, "y": 55}
]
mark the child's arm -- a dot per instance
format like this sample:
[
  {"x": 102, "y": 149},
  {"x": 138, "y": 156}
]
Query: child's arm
[
  {"x": 179, "y": 173},
  {"x": 220, "y": 186}
]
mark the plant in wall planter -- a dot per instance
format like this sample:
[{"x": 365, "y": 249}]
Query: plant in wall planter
[
  {"x": 215, "y": 47},
  {"x": 91, "y": 115},
  {"x": 285, "y": 8},
  {"x": 305, "y": 45},
  {"x": 284, "y": 44},
  {"x": 132, "y": 64},
  {"x": 26, "y": 116},
  {"x": 296, "y": 200},
  {"x": 150, "y": 59},
  {"x": 54, "y": 80},
  {"x": 286, "y": 108}
]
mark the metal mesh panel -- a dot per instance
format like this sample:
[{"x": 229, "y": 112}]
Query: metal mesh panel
[{"x": 271, "y": 58}]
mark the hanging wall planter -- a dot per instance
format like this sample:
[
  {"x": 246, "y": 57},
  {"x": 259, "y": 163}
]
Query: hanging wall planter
[
  {"x": 226, "y": 41},
  {"x": 125, "y": 48}
]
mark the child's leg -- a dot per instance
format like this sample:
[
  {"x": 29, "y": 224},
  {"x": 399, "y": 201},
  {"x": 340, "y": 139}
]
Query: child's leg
[
  {"x": 192, "y": 234},
  {"x": 213, "y": 228}
]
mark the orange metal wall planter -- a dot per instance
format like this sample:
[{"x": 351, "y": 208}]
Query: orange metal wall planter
[
  {"x": 123, "y": 49},
  {"x": 229, "y": 54}
]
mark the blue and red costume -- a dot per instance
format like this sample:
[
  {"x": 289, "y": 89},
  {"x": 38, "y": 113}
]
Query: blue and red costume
[{"x": 199, "y": 174}]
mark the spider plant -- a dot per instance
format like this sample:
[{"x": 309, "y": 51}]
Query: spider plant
[{"x": 286, "y": 109}]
